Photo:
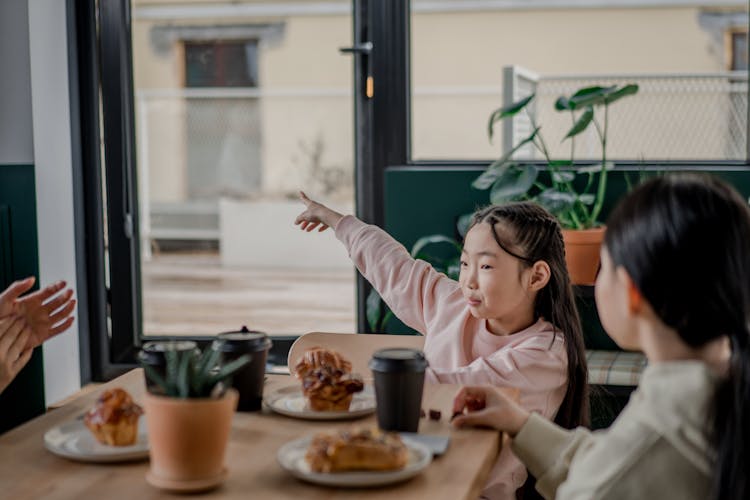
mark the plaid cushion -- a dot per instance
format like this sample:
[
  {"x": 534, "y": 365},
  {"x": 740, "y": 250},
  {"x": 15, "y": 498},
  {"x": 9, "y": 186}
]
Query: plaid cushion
[{"x": 615, "y": 367}]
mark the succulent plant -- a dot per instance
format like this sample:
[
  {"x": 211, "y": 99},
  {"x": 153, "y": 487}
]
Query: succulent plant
[{"x": 194, "y": 374}]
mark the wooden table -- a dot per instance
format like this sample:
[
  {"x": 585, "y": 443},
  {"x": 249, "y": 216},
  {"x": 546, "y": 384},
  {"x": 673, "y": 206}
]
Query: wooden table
[{"x": 29, "y": 471}]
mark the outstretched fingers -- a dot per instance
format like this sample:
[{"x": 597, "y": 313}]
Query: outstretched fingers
[
  {"x": 63, "y": 313},
  {"x": 63, "y": 299},
  {"x": 16, "y": 289},
  {"x": 57, "y": 329},
  {"x": 39, "y": 297}
]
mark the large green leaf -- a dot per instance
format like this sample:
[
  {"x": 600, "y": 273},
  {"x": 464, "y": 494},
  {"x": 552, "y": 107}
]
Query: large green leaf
[
  {"x": 183, "y": 375},
  {"x": 373, "y": 309},
  {"x": 453, "y": 269},
  {"x": 463, "y": 224},
  {"x": 433, "y": 239},
  {"x": 587, "y": 198},
  {"x": 590, "y": 96},
  {"x": 556, "y": 201},
  {"x": 505, "y": 112},
  {"x": 496, "y": 169},
  {"x": 514, "y": 183},
  {"x": 581, "y": 123},
  {"x": 499, "y": 166},
  {"x": 562, "y": 104},
  {"x": 597, "y": 167},
  {"x": 563, "y": 176},
  {"x": 224, "y": 372},
  {"x": 626, "y": 90}
]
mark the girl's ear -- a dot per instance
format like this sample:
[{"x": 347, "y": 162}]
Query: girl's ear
[{"x": 540, "y": 275}]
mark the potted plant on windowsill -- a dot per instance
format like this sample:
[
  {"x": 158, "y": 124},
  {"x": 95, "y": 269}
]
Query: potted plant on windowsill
[
  {"x": 576, "y": 208},
  {"x": 189, "y": 421},
  {"x": 508, "y": 179}
]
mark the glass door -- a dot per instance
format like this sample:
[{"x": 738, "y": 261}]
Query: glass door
[{"x": 239, "y": 106}]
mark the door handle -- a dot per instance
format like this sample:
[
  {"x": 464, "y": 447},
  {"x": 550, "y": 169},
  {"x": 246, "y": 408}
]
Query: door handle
[{"x": 358, "y": 48}]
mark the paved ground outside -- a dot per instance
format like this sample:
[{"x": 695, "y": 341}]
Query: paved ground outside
[{"x": 191, "y": 294}]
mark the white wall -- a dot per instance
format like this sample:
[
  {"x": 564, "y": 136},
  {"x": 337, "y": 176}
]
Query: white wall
[
  {"x": 50, "y": 104},
  {"x": 15, "y": 84}
]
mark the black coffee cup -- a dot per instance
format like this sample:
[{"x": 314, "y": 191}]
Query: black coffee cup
[
  {"x": 398, "y": 375},
  {"x": 152, "y": 354},
  {"x": 249, "y": 379}
]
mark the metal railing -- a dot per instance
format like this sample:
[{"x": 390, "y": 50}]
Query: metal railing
[{"x": 673, "y": 116}]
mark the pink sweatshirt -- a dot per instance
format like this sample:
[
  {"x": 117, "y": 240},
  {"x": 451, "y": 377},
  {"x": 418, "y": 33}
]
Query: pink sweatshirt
[{"x": 458, "y": 346}]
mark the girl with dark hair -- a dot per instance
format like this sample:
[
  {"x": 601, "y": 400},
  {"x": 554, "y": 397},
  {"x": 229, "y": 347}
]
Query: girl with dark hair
[
  {"x": 674, "y": 283},
  {"x": 510, "y": 320}
]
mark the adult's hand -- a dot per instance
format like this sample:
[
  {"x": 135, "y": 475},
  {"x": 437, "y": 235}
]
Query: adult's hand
[
  {"x": 46, "y": 312},
  {"x": 488, "y": 407},
  {"x": 14, "y": 336}
]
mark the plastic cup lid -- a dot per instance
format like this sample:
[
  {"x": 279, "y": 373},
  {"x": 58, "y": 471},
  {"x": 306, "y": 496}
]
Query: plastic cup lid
[
  {"x": 398, "y": 359},
  {"x": 242, "y": 341}
]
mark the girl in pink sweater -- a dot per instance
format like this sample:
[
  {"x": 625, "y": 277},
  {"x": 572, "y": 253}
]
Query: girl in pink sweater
[{"x": 510, "y": 320}]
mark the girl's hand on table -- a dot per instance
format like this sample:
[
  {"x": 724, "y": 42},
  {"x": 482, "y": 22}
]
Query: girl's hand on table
[
  {"x": 316, "y": 214},
  {"x": 488, "y": 407}
]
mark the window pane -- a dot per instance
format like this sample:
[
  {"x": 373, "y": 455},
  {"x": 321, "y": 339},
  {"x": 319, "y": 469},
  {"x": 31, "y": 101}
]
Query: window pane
[
  {"x": 691, "y": 104},
  {"x": 221, "y": 63},
  {"x": 238, "y": 107}
]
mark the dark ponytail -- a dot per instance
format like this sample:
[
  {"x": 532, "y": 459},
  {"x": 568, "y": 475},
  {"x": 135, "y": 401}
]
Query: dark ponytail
[
  {"x": 535, "y": 235},
  {"x": 685, "y": 242},
  {"x": 729, "y": 432}
]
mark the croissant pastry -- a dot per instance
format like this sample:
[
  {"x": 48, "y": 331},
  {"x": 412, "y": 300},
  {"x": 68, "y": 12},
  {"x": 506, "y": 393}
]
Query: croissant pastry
[
  {"x": 356, "y": 449},
  {"x": 327, "y": 382},
  {"x": 114, "y": 418}
]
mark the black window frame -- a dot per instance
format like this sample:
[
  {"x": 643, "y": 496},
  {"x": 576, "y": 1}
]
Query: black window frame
[{"x": 382, "y": 141}]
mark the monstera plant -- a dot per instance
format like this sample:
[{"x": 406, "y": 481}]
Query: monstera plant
[
  {"x": 574, "y": 194},
  {"x": 576, "y": 207}
]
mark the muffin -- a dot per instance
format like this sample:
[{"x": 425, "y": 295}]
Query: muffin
[
  {"x": 327, "y": 381},
  {"x": 114, "y": 418}
]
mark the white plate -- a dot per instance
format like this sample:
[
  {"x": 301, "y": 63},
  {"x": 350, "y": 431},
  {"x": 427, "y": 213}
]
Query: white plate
[
  {"x": 291, "y": 457},
  {"x": 73, "y": 440},
  {"x": 291, "y": 402}
]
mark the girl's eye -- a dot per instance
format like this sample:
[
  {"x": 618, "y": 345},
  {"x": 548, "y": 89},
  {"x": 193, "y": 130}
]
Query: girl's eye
[
  {"x": 486, "y": 266},
  {"x": 463, "y": 263}
]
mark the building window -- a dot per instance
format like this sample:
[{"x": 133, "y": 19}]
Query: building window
[
  {"x": 739, "y": 51},
  {"x": 221, "y": 63}
]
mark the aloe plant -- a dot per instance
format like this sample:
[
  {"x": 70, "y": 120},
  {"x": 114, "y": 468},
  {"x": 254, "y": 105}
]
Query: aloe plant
[
  {"x": 194, "y": 374},
  {"x": 509, "y": 180}
]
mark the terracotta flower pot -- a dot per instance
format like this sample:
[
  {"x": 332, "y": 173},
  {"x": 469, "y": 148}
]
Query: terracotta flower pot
[
  {"x": 188, "y": 440},
  {"x": 582, "y": 253}
]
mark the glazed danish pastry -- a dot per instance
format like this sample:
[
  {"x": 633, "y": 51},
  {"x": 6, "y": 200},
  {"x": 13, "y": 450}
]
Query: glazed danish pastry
[
  {"x": 327, "y": 381},
  {"x": 356, "y": 449},
  {"x": 114, "y": 419}
]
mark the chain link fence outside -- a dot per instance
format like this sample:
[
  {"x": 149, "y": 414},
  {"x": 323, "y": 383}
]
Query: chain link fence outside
[{"x": 672, "y": 117}]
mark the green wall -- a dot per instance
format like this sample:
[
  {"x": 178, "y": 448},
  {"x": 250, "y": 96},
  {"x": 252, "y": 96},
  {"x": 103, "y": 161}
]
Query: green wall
[{"x": 23, "y": 399}]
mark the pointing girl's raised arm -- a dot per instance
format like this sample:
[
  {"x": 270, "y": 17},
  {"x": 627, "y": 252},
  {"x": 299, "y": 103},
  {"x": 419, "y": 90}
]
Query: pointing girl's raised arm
[{"x": 410, "y": 287}]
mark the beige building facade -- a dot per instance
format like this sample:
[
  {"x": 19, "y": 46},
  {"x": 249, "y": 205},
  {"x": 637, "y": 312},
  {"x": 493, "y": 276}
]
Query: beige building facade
[{"x": 291, "y": 125}]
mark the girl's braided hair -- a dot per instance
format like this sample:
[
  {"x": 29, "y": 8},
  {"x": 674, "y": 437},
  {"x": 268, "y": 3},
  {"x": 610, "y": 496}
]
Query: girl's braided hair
[{"x": 530, "y": 233}]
